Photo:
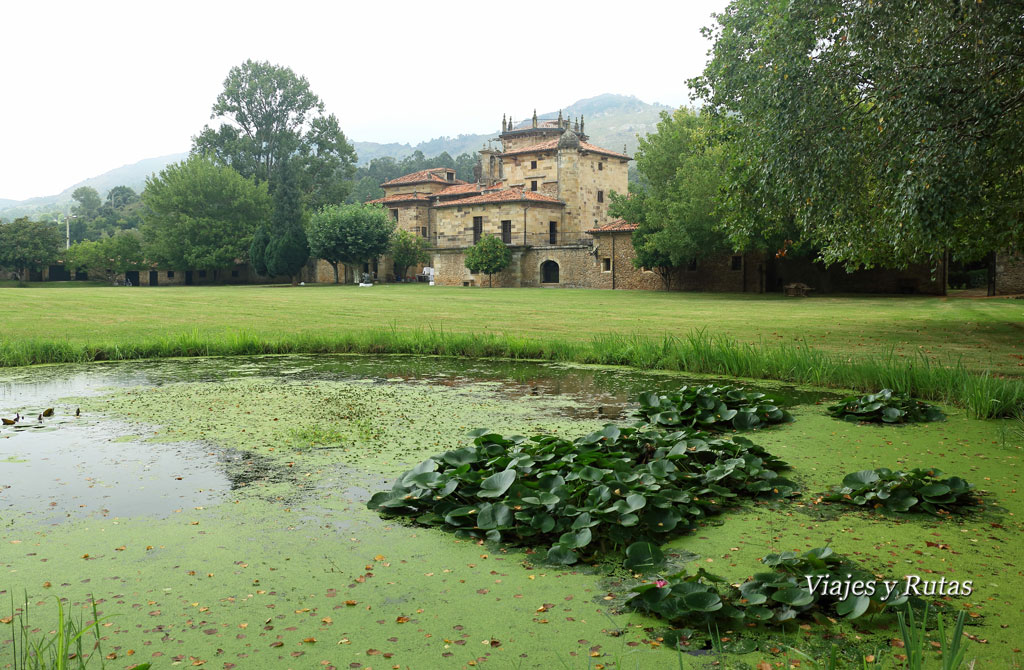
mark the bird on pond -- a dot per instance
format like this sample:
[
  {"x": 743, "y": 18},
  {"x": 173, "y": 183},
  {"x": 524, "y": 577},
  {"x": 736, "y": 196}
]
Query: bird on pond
[
  {"x": 78, "y": 411},
  {"x": 8, "y": 422},
  {"x": 48, "y": 411}
]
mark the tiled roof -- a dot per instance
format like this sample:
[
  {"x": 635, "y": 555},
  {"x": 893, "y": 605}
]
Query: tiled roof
[
  {"x": 459, "y": 189},
  {"x": 431, "y": 175},
  {"x": 402, "y": 197},
  {"x": 616, "y": 226},
  {"x": 503, "y": 195},
  {"x": 552, "y": 145}
]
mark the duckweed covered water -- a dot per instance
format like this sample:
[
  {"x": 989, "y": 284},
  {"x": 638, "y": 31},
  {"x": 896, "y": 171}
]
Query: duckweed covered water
[{"x": 216, "y": 508}]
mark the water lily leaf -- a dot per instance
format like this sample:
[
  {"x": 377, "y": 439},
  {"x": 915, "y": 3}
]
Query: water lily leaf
[
  {"x": 497, "y": 484},
  {"x": 643, "y": 556}
]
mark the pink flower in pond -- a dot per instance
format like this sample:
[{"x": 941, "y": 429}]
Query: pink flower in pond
[{"x": 661, "y": 583}]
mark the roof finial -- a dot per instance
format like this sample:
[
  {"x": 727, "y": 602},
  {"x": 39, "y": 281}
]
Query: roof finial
[
  {"x": 559, "y": 118},
  {"x": 625, "y": 149},
  {"x": 503, "y": 124},
  {"x": 581, "y": 123},
  {"x": 576, "y": 125},
  {"x": 534, "y": 117}
]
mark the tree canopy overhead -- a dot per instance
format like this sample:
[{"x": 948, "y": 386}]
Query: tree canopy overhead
[
  {"x": 879, "y": 131},
  {"x": 269, "y": 114}
]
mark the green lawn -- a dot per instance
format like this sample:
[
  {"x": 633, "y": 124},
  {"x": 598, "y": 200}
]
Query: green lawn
[{"x": 986, "y": 334}]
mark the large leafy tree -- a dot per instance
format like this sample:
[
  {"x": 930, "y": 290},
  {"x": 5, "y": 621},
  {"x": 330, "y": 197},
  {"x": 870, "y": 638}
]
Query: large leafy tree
[
  {"x": 200, "y": 215},
  {"x": 288, "y": 249},
  {"x": 87, "y": 202},
  {"x": 108, "y": 256},
  {"x": 350, "y": 234},
  {"x": 881, "y": 132},
  {"x": 488, "y": 256},
  {"x": 683, "y": 166},
  {"x": 269, "y": 114},
  {"x": 407, "y": 250},
  {"x": 29, "y": 245}
]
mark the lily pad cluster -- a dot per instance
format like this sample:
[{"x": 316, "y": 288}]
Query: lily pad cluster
[
  {"x": 815, "y": 584},
  {"x": 712, "y": 408},
  {"x": 919, "y": 490},
  {"x": 621, "y": 488},
  {"x": 886, "y": 406}
]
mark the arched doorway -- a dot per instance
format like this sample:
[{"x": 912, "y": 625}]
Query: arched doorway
[{"x": 549, "y": 272}]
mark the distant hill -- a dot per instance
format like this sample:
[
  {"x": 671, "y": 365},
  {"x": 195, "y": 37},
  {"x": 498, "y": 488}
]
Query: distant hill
[
  {"x": 612, "y": 121},
  {"x": 133, "y": 175}
]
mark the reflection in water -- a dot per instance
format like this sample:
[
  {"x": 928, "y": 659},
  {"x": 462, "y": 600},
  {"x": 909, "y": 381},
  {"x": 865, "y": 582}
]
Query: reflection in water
[{"x": 68, "y": 467}]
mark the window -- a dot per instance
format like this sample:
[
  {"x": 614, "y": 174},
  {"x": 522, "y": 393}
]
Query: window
[
  {"x": 234, "y": 273},
  {"x": 170, "y": 274},
  {"x": 600, "y": 166},
  {"x": 394, "y": 215},
  {"x": 533, "y": 185},
  {"x": 737, "y": 262},
  {"x": 202, "y": 274},
  {"x": 423, "y": 231},
  {"x": 606, "y": 265},
  {"x": 450, "y": 175},
  {"x": 692, "y": 265},
  {"x": 478, "y": 228},
  {"x": 552, "y": 232},
  {"x": 533, "y": 165},
  {"x": 506, "y": 232},
  {"x": 600, "y": 196}
]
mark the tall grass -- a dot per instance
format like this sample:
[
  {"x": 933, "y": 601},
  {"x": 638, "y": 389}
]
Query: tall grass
[{"x": 982, "y": 395}]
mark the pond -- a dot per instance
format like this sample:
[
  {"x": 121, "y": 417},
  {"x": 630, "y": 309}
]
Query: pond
[{"x": 216, "y": 509}]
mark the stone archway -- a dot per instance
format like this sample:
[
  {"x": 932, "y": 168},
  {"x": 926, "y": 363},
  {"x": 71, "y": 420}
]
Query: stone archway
[{"x": 549, "y": 272}]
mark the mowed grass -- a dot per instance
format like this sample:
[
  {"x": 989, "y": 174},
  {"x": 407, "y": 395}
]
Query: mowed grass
[
  {"x": 984, "y": 334},
  {"x": 965, "y": 351}
]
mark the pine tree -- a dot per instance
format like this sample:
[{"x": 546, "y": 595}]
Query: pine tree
[{"x": 288, "y": 249}]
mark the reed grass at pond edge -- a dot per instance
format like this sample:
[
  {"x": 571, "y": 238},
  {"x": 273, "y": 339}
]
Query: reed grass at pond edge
[{"x": 983, "y": 394}]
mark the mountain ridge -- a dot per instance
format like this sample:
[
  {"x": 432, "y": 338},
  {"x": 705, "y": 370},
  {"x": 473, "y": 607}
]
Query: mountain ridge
[{"x": 611, "y": 120}]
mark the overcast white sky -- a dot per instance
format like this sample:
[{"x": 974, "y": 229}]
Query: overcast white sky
[{"x": 90, "y": 86}]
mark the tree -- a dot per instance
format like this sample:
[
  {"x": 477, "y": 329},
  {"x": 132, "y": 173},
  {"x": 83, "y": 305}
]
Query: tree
[
  {"x": 407, "y": 250},
  {"x": 350, "y": 234},
  {"x": 488, "y": 256},
  {"x": 200, "y": 215},
  {"x": 881, "y": 132},
  {"x": 258, "y": 250},
  {"x": 683, "y": 166},
  {"x": 270, "y": 114},
  {"x": 88, "y": 202},
  {"x": 288, "y": 250},
  {"x": 29, "y": 245},
  {"x": 108, "y": 256}
]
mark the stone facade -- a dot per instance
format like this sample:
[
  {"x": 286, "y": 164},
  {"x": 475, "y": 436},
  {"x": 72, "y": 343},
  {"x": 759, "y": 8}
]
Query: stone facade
[
  {"x": 540, "y": 194},
  {"x": 1009, "y": 274}
]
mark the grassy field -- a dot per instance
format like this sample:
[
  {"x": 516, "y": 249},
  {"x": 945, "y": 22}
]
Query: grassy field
[
  {"x": 965, "y": 351},
  {"x": 984, "y": 334}
]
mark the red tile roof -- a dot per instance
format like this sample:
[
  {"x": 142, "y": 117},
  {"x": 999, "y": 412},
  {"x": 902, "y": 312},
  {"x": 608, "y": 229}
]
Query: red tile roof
[
  {"x": 552, "y": 145},
  {"x": 459, "y": 189},
  {"x": 616, "y": 226},
  {"x": 429, "y": 176},
  {"x": 503, "y": 195},
  {"x": 402, "y": 197}
]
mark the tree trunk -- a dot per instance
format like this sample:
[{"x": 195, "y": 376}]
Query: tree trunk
[
  {"x": 334, "y": 265},
  {"x": 295, "y": 280},
  {"x": 490, "y": 281}
]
